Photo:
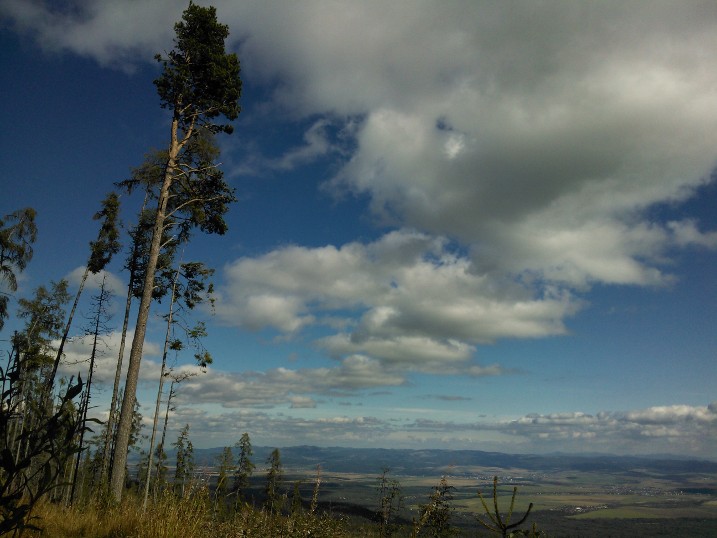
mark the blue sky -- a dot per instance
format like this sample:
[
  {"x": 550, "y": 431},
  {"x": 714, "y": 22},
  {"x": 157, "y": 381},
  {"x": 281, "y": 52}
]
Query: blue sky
[{"x": 460, "y": 224}]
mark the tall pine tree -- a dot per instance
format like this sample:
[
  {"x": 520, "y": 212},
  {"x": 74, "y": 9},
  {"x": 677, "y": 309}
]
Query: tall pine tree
[{"x": 199, "y": 84}]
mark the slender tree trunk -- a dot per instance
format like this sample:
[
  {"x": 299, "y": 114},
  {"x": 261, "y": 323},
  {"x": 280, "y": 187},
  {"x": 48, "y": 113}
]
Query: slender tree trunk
[
  {"x": 78, "y": 456},
  {"x": 15, "y": 399},
  {"x": 70, "y": 469},
  {"x": 111, "y": 420},
  {"x": 51, "y": 377},
  {"x": 160, "y": 446},
  {"x": 159, "y": 390},
  {"x": 88, "y": 386},
  {"x": 124, "y": 425}
]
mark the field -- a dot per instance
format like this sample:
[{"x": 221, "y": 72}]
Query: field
[{"x": 640, "y": 502}]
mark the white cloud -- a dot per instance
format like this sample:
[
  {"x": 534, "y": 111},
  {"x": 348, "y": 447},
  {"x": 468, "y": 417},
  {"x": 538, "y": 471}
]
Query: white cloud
[
  {"x": 608, "y": 432},
  {"x": 113, "y": 283},
  {"x": 537, "y": 137},
  {"x": 405, "y": 299},
  {"x": 284, "y": 386},
  {"x": 98, "y": 29},
  {"x": 669, "y": 429},
  {"x": 78, "y": 350},
  {"x": 316, "y": 144},
  {"x": 672, "y": 414},
  {"x": 302, "y": 402},
  {"x": 686, "y": 233}
]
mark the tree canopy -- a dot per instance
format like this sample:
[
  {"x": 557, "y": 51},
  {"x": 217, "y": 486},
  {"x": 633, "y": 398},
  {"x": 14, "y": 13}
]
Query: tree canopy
[
  {"x": 199, "y": 80},
  {"x": 199, "y": 83},
  {"x": 17, "y": 234}
]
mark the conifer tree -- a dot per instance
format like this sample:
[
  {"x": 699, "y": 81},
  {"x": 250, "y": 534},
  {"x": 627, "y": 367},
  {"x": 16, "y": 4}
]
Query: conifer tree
[
  {"x": 36, "y": 440},
  {"x": 184, "y": 469},
  {"x": 176, "y": 380},
  {"x": 435, "y": 516},
  {"x": 390, "y": 501},
  {"x": 100, "y": 318},
  {"x": 226, "y": 467},
  {"x": 135, "y": 264},
  {"x": 185, "y": 294},
  {"x": 245, "y": 467},
  {"x": 101, "y": 252},
  {"x": 44, "y": 316},
  {"x": 274, "y": 477},
  {"x": 17, "y": 234},
  {"x": 199, "y": 84}
]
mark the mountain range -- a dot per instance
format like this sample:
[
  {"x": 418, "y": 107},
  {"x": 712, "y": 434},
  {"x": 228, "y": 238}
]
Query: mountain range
[{"x": 432, "y": 462}]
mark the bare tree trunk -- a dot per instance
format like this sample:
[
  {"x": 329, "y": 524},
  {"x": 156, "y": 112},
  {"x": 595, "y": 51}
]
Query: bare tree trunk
[
  {"x": 51, "y": 377},
  {"x": 159, "y": 390},
  {"x": 115, "y": 390},
  {"x": 70, "y": 469},
  {"x": 78, "y": 456},
  {"x": 160, "y": 446},
  {"x": 124, "y": 425},
  {"x": 112, "y": 418},
  {"x": 88, "y": 387}
]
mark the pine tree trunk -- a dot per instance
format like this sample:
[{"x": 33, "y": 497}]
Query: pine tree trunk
[
  {"x": 88, "y": 389},
  {"x": 160, "y": 446},
  {"x": 159, "y": 390},
  {"x": 111, "y": 420},
  {"x": 124, "y": 425},
  {"x": 108, "y": 446}
]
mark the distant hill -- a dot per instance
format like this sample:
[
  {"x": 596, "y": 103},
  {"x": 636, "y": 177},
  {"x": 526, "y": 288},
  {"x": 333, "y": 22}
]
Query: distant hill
[{"x": 432, "y": 462}]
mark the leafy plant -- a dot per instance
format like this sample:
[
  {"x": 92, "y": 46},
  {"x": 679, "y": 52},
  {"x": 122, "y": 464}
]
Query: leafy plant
[{"x": 32, "y": 460}]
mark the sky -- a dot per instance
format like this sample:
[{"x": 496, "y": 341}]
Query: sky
[{"x": 461, "y": 224}]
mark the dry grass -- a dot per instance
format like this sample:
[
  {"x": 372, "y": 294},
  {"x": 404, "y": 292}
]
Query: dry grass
[
  {"x": 90, "y": 520},
  {"x": 169, "y": 517}
]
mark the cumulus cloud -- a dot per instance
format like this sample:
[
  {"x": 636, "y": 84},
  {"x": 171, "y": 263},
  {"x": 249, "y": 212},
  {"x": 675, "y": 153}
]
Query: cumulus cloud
[
  {"x": 416, "y": 304},
  {"x": 535, "y": 137},
  {"x": 113, "y": 283},
  {"x": 516, "y": 153},
  {"x": 78, "y": 350},
  {"x": 689, "y": 428},
  {"x": 281, "y": 386},
  {"x": 98, "y": 29},
  {"x": 682, "y": 428}
]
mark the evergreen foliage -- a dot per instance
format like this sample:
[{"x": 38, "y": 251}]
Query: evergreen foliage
[
  {"x": 199, "y": 84},
  {"x": 226, "y": 467},
  {"x": 389, "y": 504},
  {"x": 101, "y": 252},
  {"x": 274, "y": 476},
  {"x": 244, "y": 467},
  {"x": 184, "y": 470},
  {"x": 17, "y": 234},
  {"x": 199, "y": 81}
]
